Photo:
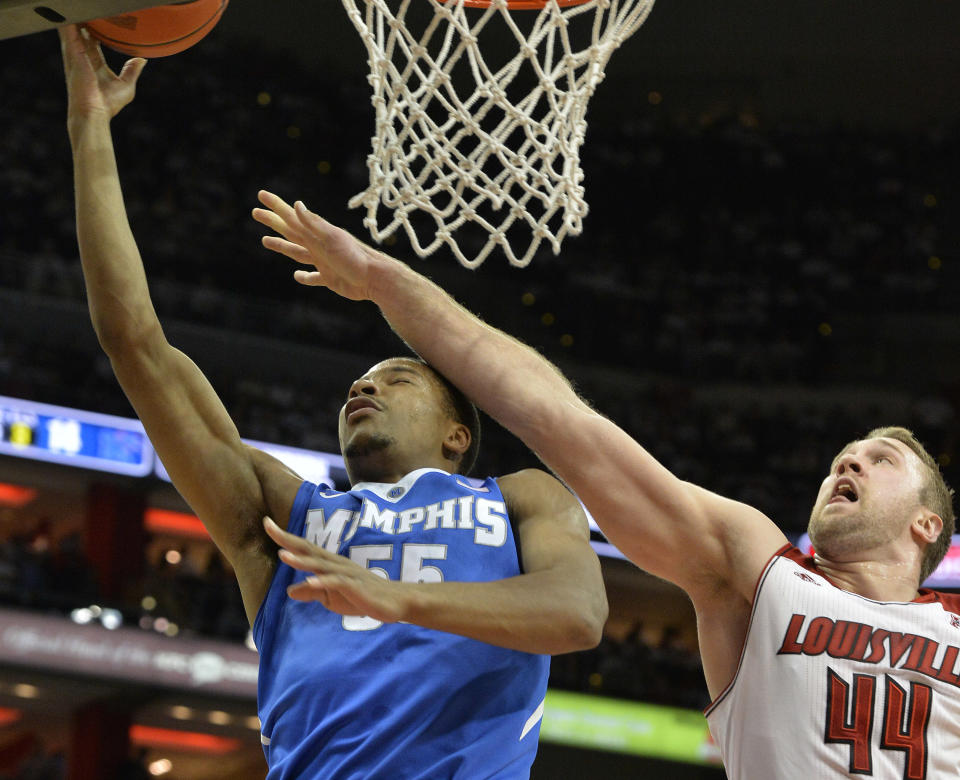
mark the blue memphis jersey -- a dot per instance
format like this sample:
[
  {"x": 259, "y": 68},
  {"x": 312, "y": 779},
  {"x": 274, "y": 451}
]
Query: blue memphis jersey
[{"x": 354, "y": 699}]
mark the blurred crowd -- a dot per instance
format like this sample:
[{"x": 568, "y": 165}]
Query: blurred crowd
[
  {"x": 744, "y": 300},
  {"x": 41, "y": 572},
  {"x": 659, "y": 670},
  {"x": 38, "y": 572}
]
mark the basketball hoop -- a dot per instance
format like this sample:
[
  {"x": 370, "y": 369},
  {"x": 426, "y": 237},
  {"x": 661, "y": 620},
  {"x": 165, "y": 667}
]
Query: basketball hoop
[{"x": 477, "y": 147}]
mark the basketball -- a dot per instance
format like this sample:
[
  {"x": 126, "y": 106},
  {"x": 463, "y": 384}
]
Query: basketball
[{"x": 159, "y": 31}]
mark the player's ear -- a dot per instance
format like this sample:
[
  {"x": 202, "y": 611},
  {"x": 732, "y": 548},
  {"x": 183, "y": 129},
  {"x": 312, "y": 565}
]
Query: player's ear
[
  {"x": 457, "y": 441},
  {"x": 928, "y": 526}
]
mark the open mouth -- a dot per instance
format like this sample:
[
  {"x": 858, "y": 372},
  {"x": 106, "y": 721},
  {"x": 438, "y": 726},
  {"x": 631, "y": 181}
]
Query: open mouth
[{"x": 844, "y": 491}]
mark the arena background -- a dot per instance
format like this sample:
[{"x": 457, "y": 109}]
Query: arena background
[{"x": 768, "y": 269}]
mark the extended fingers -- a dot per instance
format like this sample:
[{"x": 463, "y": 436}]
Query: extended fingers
[
  {"x": 309, "y": 278},
  {"x": 73, "y": 45},
  {"x": 315, "y": 221},
  {"x": 324, "y": 588},
  {"x": 300, "y": 554},
  {"x": 301, "y": 562},
  {"x": 287, "y": 540},
  {"x": 310, "y": 589},
  {"x": 94, "y": 51},
  {"x": 69, "y": 35},
  {"x": 285, "y": 219},
  {"x": 314, "y": 584},
  {"x": 326, "y": 234},
  {"x": 278, "y": 214},
  {"x": 271, "y": 219},
  {"x": 275, "y": 203},
  {"x": 288, "y": 248},
  {"x": 329, "y": 595},
  {"x": 281, "y": 218}
]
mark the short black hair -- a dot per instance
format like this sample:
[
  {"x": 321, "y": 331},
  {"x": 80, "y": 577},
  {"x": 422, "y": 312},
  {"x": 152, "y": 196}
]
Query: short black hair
[{"x": 463, "y": 410}]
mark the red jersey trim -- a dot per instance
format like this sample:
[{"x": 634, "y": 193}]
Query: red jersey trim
[
  {"x": 950, "y": 601},
  {"x": 783, "y": 551}
]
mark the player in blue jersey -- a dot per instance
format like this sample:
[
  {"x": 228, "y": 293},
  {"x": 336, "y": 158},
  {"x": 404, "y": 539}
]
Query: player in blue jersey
[{"x": 427, "y": 656}]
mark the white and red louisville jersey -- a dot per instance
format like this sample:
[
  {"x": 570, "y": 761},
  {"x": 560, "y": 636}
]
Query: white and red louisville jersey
[{"x": 831, "y": 684}]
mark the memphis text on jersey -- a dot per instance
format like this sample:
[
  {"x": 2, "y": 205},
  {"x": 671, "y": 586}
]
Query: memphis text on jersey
[{"x": 485, "y": 518}]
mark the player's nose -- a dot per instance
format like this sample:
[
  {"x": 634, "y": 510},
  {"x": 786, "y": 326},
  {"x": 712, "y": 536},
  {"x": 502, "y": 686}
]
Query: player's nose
[
  {"x": 363, "y": 386},
  {"x": 849, "y": 462}
]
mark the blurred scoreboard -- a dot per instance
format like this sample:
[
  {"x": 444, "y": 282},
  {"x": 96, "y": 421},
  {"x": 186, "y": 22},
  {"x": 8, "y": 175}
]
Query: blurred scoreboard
[
  {"x": 119, "y": 445},
  {"x": 74, "y": 437}
]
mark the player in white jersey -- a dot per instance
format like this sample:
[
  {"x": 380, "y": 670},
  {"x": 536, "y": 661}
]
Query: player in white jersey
[{"x": 833, "y": 666}]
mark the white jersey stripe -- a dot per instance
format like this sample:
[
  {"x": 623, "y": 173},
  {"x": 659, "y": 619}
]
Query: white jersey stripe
[{"x": 533, "y": 719}]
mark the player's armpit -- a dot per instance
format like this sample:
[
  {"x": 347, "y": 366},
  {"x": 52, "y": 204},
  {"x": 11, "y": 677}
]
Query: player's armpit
[
  {"x": 278, "y": 482},
  {"x": 228, "y": 484},
  {"x": 255, "y": 555},
  {"x": 741, "y": 542}
]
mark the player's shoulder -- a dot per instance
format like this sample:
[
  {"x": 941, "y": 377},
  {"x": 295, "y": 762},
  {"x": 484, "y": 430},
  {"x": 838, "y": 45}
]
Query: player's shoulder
[
  {"x": 532, "y": 476},
  {"x": 790, "y": 552},
  {"x": 949, "y": 601},
  {"x": 536, "y": 493},
  {"x": 529, "y": 481}
]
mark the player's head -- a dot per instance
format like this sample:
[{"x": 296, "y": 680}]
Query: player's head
[
  {"x": 460, "y": 409},
  {"x": 883, "y": 488},
  {"x": 402, "y": 415}
]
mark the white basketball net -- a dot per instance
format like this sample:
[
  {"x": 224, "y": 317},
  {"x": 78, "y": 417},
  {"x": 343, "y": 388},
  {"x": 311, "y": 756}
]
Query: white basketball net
[{"x": 487, "y": 158}]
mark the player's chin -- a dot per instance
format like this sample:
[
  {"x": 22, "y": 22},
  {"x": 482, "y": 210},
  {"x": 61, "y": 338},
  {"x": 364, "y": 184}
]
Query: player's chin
[{"x": 836, "y": 534}]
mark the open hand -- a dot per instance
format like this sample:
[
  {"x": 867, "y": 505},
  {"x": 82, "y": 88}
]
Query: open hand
[
  {"x": 342, "y": 263},
  {"x": 338, "y": 583},
  {"x": 92, "y": 87}
]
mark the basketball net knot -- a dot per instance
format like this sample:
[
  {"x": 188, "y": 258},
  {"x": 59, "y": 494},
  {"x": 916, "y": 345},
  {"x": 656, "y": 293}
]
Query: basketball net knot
[{"x": 478, "y": 106}]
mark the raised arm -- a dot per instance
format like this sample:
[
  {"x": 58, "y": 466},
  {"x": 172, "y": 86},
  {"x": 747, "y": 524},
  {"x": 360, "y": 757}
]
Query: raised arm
[
  {"x": 708, "y": 545},
  {"x": 558, "y": 604},
  {"x": 227, "y": 484}
]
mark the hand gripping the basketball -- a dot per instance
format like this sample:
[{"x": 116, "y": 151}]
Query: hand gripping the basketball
[
  {"x": 343, "y": 264},
  {"x": 93, "y": 88},
  {"x": 338, "y": 583}
]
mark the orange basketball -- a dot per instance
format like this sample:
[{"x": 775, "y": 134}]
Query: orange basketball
[{"x": 159, "y": 31}]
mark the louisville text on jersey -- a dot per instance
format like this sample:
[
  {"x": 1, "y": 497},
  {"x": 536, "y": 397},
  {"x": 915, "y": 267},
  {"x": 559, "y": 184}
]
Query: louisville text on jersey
[{"x": 870, "y": 645}]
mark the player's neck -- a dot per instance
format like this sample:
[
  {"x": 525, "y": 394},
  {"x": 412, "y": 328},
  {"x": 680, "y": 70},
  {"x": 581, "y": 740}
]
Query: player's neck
[
  {"x": 384, "y": 472},
  {"x": 873, "y": 579}
]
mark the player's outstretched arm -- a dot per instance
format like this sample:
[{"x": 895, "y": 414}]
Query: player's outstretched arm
[
  {"x": 226, "y": 484},
  {"x": 708, "y": 545},
  {"x": 558, "y": 604}
]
